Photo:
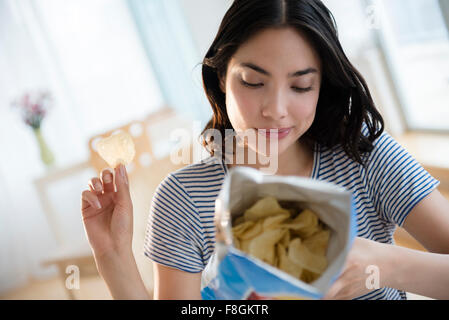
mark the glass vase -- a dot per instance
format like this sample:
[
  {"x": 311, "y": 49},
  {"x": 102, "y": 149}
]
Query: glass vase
[{"x": 46, "y": 154}]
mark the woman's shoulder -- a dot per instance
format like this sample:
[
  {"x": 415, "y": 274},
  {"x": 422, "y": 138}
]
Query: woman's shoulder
[
  {"x": 204, "y": 168},
  {"x": 204, "y": 173},
  {"x": 187, "y": 193},
  {"x": 386, "y": 148},
  {"x": 383, "y": 147}
]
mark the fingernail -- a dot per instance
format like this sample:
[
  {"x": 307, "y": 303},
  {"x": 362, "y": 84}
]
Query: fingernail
[
  {"x": 107, "y": 178},
  {"x": 123, "y": 173},
  {"x": 97, "y": 186},
  {"x": 97, "y": 204}
]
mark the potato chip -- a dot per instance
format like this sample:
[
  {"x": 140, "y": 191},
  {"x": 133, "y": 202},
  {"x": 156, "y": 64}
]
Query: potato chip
[
  {"x": 244, "y": 245},
  {"x": 285, "y": 239},
  {"x": 299, "y": 254},
  {"x": 305, "y": 224},
  {"x": 280, "y": 251},
  {"x": 292, "y": 211},
  {"x": 263, "y": 208},
  {"x": 253, "y": 231},
  {"x": 309, "y": 276},
  {"x": 239, "y": 220},
  {"x": 238, "y": 230},
  {"x": 263, "y": 246},
  {"x": 236, "y": 242},
  {"x": 117, "y": 148},
  {"x": 317, "y": 243},
  {"x": 273, "y": 222},
  {"x": 285, "y": 264},
  {"x": 276, "y": 259}
]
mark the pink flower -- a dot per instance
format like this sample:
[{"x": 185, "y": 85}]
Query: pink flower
[
  {"x": 26, "y": 100},
  {"x": 33, "y": 107}
]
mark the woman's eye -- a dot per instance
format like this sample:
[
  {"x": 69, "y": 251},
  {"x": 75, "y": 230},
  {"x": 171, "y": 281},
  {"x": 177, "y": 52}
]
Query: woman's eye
[
  {"x": 257, "y": 85},
  {"x": 251, "y": 85},
  {"x": 302, "y": 89}
]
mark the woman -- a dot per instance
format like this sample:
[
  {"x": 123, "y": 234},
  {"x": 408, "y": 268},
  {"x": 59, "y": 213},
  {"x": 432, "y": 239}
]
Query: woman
[{"x": 278, "y": 64}]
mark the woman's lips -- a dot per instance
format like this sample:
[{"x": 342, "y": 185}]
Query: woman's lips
[{"x": 275, "y": 133}]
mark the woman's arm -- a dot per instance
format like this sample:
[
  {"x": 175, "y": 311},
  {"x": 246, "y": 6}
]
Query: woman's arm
[
  {"x": 108, "y": 221},
  {"x": 122, "y": 276},
  {"x": 428, "y": 223},
  {"x": 174, "y": 284},
  {"x": 424, "y": 273}
]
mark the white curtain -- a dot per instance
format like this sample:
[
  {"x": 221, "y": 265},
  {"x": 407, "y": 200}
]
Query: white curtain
[
  {"x": 25, "y": 236},
  {"x": 89, "y": 55},
  {"x": 169, "y": 44}
]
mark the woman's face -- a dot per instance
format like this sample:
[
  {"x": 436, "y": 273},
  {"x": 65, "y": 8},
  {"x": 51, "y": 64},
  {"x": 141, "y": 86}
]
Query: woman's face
[{"x": 273, "y": 82}]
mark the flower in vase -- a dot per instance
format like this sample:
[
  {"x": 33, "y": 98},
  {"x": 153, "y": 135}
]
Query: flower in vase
[{"x": 33, "y": 107}]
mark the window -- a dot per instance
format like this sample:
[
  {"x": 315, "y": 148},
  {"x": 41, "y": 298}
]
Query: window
[
  {"x": 414, "y": 37},
  {"x": 101, "y": 57}
]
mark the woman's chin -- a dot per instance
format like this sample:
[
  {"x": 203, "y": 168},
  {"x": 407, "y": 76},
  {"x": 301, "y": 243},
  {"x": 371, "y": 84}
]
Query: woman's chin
[{"x": 268, "y": 152}]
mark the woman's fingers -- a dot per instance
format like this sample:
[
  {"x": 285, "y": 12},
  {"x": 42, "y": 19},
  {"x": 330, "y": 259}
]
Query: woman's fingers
[
  {"x": 121, "y": 182},
  {"x": 89, "y": 199},
  {"x": 96, "y": 185},
  {"x": 108, "y": 181},
  {"x": 105, "y": 185}
]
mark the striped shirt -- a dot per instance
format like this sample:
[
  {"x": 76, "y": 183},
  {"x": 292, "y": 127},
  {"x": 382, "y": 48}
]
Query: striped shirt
[{"x": 181, "y": 234}]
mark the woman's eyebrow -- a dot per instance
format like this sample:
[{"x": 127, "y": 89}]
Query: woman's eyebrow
[{"x": 290, "y": 75}]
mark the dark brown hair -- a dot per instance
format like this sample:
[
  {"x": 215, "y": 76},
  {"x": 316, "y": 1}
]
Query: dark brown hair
[{"x": 345, "y": 102}]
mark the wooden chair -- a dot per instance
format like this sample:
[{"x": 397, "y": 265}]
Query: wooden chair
[
  {"x": 67, "y": 251},
  {"x": 146, "y": 171}
]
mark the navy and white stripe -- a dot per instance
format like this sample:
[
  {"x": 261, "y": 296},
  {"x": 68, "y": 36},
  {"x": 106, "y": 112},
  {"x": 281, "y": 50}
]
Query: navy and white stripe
[
  {"x": 181, "y": 234},
  {"x": 180, "y": 231}
]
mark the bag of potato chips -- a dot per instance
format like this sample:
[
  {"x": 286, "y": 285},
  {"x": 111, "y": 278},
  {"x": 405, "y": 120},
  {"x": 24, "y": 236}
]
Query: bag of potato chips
[{"x": 278, "y": 237}]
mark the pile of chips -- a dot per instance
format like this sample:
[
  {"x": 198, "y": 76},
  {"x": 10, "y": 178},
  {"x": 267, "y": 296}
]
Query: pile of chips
[{"x": 289, "y": 239}]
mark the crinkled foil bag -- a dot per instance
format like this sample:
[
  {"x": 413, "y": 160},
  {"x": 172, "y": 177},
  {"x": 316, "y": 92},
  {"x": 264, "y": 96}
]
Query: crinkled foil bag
[{"x": 234, "y": 275}]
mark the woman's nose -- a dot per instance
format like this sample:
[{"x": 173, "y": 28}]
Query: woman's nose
[{"x": 275, "y": 106}]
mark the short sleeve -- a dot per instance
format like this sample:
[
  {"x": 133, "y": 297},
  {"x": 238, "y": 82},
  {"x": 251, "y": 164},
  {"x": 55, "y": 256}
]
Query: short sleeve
[
  {"x": 173, "y": 236},
  {"x": 396, "y": 180}
]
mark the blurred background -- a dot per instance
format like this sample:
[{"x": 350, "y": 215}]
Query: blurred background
[{"x": 74, "y": 71}]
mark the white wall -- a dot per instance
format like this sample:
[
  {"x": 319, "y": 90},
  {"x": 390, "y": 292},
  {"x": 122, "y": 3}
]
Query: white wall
[
  {"x": 94, "y": 67},
  {"x": 204, "y": 18}
]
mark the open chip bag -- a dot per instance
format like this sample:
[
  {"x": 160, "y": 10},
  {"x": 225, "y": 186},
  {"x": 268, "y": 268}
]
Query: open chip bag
[{"x": 278, "y": 237}]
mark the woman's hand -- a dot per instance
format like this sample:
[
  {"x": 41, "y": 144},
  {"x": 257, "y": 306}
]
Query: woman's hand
[
  {"x": 108, "y": 220},
  {"x": 366, "y": 269},
  {"x": 108, "y": 213}
]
